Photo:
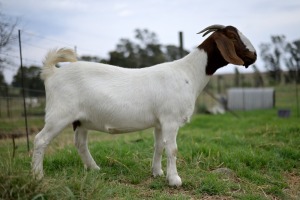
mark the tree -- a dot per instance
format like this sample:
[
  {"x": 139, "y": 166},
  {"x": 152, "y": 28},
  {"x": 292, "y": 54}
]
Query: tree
[
  {"x": 281, "y": 55},
  {"x": 271, "y": 54},
  {"x": 125, "y": 55},
  {"x": 7, "y": 36},
  {"x": 292, "y": 60},
  {"x": 143, "y": 52},
  {"x": 3, "y": 85},
  {"x": 32, "y": 82},
  {"x": 172, "y": 52},
  {"x": 90, "y": 58},
  {"x": 149, "y": 49}
]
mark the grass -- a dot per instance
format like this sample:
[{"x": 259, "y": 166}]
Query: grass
[
  {"x": 16, "y": 125},
  {"x": 258, "y": 151}
]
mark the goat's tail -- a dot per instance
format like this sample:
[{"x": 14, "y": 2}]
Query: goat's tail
[{"x": 55, "y": 56}]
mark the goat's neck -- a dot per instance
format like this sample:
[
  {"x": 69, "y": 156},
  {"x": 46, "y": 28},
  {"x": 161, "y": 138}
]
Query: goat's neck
[
  {"x": 194, "y": 66},
  {"x": 201, "y": 63}
]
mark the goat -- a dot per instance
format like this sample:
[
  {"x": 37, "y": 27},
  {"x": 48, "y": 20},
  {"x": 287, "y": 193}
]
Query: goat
[{"x": 94, "y": 96}]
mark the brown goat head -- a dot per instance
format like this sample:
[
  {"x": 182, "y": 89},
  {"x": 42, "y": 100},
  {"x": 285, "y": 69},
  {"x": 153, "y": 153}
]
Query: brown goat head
[{"x": 226, "y": 45}]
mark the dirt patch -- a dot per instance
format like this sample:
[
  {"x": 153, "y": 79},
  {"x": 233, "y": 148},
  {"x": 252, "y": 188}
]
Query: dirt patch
[
  {"x": 293, "y": 180},
  {"x": 174, "y": 192}
]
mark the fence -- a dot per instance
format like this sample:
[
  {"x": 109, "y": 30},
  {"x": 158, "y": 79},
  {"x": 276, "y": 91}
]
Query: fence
[
  {"x": 11, "y": 107},
  {"x": 11, "y": 103}
]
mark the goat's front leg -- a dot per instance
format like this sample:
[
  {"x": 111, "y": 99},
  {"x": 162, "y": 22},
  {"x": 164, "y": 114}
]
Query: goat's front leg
[
  {"x": 158, "y": 150},
  {"x": 169, "y": 133}
]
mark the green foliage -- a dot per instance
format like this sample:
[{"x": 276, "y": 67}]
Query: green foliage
[
  {"x": 7, "y": 35},
  {"x": 32, "y": 81},
  {"x": 16, "y": 125},
  {"x": 3, "y": 85},
  {"x": 145, "y": 51},
  {"x": 280, "y": 55}
]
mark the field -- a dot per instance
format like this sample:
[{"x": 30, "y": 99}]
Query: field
[{"x": 255, "y": 156}]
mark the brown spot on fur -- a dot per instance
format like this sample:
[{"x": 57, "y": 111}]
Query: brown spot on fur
[{"x": 214, "y": 59}]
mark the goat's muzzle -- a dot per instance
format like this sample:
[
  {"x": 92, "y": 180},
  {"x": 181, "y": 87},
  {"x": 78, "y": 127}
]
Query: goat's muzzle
[{"x": 249, "y": 59}]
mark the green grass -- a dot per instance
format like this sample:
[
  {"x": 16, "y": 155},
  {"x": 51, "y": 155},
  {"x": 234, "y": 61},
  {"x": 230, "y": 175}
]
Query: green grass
[
  {"x": 260, "y": 149},
  {"x": 17, "y": 125}
]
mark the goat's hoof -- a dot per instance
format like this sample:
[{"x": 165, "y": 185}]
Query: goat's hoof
[
  {"x": 38, "y": 176},
  {"x": 95, "y": 168},
  {"x": 157, "y": 173},
  {"x": 174, "y": 180}
]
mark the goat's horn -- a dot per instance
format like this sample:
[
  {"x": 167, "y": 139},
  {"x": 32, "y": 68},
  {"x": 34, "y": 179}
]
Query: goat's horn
[{"x": 211, "y": 29}]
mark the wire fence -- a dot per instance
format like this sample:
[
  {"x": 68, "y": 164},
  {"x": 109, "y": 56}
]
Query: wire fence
[
  {"x": 34, "y": 48},
  {"x": 11, "y": 102}
]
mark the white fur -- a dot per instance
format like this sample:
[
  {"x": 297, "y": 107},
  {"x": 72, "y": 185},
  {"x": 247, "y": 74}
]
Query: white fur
[
  {"x": 246, "y": 41},
  {"x": 118, "y": 100}
]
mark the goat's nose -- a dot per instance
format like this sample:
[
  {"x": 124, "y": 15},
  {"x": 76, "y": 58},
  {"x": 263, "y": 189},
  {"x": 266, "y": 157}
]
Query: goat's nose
[{"x": 254, "y": 55}]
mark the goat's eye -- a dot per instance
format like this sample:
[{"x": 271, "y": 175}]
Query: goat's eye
[{"x": 232, "y": 36}]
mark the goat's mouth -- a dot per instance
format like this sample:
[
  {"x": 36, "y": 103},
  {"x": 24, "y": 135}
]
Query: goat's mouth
[
  {"x": 248, "y": 63},
  {"x": 249, "y": 60}
]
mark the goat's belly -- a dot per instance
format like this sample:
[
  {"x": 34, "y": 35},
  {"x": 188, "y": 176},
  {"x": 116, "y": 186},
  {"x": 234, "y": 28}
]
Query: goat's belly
[
  {"x": 119, "y": 130},
  {"x": 118, "y": 127},
  {"x": 119, "y": 116}
]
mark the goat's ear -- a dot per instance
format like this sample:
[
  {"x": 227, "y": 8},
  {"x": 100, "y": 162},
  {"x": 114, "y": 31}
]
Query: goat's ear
[{"x": 226, "y": 47}]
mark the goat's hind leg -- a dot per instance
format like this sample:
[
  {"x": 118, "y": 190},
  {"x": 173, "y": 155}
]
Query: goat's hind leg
[
  {"x": 82, "y": 146},
  {"x": 158, "y": 150},
  {"x": 41, "y": 141}
]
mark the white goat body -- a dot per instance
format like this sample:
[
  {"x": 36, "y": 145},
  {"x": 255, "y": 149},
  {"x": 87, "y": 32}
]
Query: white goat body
[
  {"x": 112, "y": 99},
  {"x": 116, "y": 100}
]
